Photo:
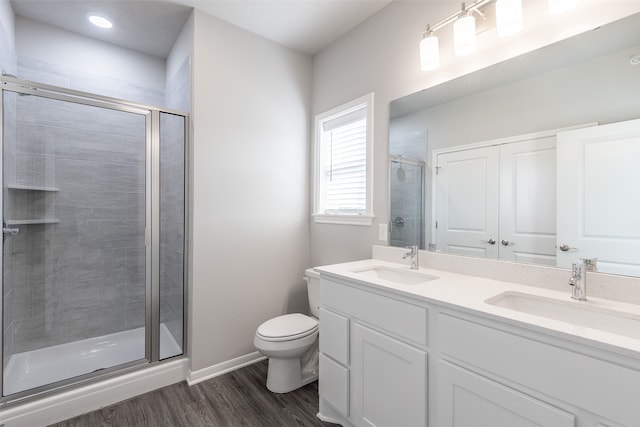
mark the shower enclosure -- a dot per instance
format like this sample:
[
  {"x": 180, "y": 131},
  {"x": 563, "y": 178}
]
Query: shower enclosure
[
  {"x": 93, "y": 250},
  {"x": 406, "y": 190}
]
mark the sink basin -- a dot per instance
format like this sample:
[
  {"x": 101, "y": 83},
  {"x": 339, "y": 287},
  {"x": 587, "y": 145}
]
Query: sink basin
[
  {"x": 582, "y": 314},
  {"x": 396, "y": 275}
]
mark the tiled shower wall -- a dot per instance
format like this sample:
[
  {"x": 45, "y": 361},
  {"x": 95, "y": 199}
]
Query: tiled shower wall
[
  {"x": 83, "y": 276},
  {"x": 8, "y": 64},
  {"x": 406, "y": 183},
  {"x": 172, "y": 220}
]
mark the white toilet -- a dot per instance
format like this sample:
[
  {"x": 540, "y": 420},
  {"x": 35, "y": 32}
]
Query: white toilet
[{"x": 291, "y": 343}]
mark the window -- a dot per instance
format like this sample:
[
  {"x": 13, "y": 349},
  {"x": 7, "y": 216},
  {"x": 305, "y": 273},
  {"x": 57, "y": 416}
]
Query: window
[{"x": 343, "y": 160}]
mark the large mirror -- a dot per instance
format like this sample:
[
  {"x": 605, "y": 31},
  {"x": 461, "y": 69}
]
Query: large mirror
[{"x": 536, "y": 159}]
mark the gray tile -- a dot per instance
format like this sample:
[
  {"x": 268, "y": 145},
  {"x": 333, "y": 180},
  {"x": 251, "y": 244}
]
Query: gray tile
[
  {"x": 135, "y": 312},
  {"x": 43, "y": 72},
  {"x": 88, "y": 322},
  {"x": 38, "y": 332},
  {"x": 80, "y": 295}
]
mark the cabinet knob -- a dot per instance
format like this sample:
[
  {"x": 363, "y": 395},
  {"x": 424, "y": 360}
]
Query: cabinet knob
[
  {"x": 506, "y": 243},
  {"x": 490, "y": 241}
]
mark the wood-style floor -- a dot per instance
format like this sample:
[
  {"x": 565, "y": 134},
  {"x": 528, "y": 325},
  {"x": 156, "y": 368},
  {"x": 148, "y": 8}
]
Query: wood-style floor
[{"x": 238, "y": 398}]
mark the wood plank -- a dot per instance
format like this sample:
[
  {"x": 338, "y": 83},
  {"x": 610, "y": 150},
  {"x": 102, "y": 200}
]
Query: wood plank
[{"x": 239, "y": 398}]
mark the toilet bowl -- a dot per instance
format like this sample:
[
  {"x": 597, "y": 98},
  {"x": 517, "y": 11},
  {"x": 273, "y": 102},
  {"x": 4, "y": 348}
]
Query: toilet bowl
[{"x": 290, "y": 342}]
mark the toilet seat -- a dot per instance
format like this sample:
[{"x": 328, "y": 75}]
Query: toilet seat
[{"x": 287, "y": 327}]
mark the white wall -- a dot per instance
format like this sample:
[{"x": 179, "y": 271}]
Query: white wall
[
  {"x": 564, "y": 97},
  {"x": 50, "y": 44},
  {"x": 381, "y": 56},
  {"x": 250, "y": 204},
  {"x": 7, "y": 20}
]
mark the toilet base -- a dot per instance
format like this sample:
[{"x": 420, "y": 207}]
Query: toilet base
[{"x": 285, "y": 375}]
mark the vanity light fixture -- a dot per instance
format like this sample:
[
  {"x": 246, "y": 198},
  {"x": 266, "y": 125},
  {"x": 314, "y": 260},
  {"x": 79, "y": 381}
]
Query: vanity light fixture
[
  {"x": 508, "y": 17},
  {"x": 464, "y": 33},
  {"x": 429, "y": 51},
  {"x": 100, "y": 21},
  {"x": 557, "y": 7},
  {"x": 508, "y": 22}
]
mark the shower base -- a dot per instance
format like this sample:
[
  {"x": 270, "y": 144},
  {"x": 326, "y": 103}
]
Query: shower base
[{"x": 59, "y": 362}]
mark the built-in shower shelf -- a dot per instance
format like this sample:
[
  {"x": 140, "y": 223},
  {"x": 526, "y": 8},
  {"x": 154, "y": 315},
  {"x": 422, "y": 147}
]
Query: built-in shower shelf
[
  {"x": 32, "y": 188},
  {"x": 31, "y": 221}
]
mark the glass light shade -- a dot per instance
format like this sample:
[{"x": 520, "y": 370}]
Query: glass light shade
[
  {"x": 508, "y": 17},
  {"x": 429, "y": 53},
  {"x": 561, "y": 6},
  {"x": 464, "y": 35}
]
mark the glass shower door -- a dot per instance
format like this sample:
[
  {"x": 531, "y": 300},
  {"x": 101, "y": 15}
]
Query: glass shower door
[
  {"x": 75, "y": 258},
  {"x": 406, "y": 202}
]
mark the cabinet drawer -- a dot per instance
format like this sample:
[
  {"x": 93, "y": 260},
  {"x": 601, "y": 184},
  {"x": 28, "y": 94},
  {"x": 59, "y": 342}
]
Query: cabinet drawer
[
  {"x": 566, "y": 375},
  {"x": 333, "y": 384},
  {"x": 467, "y": 399},
  {"x": 334, "y": 336},
  {"x": 398, "y": 317}
]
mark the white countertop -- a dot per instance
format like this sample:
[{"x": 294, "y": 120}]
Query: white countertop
[{"x": 469, "y": 293}]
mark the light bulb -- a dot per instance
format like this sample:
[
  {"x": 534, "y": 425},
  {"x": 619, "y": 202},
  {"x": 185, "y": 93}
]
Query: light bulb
[
  {"x": 429, "y": 52},
  {"x": 508, "y": 17},
  {"x": 464, "y": 35},
  {"x": 561, "y": 6}
]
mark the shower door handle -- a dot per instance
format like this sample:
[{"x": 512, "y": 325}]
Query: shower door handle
[{"x": 8, "y": 231}]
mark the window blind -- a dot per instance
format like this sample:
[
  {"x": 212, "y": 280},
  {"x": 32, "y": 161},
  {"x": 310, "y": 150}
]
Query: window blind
[{"x": 344, "y": 164}]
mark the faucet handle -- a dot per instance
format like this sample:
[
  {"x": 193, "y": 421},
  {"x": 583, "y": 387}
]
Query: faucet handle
[{"x": 591, "y": 264}]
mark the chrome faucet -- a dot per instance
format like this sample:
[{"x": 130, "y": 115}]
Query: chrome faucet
[
  {"x": 413, "y": 253},
  {"x": 578, "y": 277}
]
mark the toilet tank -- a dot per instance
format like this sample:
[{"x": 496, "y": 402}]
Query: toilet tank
[{"x": 313, "y": 289}]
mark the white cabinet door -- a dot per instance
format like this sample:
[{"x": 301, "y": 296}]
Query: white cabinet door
[
  {"x": 389, "y": 381},
  {"x": 599, "y": 198},
  {"x": 466, "y": 399},
  {"x": 467, "y": 202},
  {"x": 528, "y": 201}
]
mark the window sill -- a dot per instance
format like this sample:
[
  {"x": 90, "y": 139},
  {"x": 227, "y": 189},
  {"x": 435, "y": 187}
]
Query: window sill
[{"x": 365, "y": 220}]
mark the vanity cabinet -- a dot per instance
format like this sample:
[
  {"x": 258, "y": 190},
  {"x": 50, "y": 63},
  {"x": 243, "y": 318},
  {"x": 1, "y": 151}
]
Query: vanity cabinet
[
  {"x": 514, "y": 378},
  {"x": 373, "y": 358},
  {"x": 389, "y": 380},
  {"x": 390, "y": 359},
  {"x": 467, "y": 399}
]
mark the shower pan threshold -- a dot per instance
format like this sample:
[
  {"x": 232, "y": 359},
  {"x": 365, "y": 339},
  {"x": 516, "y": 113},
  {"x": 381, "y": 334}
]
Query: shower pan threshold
[{"x": 47, "y": 365}]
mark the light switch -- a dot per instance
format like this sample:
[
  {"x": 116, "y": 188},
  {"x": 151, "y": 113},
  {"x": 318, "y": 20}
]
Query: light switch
[{"x": 383, "y": 232}]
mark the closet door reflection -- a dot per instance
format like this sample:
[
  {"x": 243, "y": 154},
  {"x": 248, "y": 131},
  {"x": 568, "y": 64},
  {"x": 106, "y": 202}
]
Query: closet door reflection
[
  {"x": 74, "y": 252},
  {"x": 407, "y": 202}
]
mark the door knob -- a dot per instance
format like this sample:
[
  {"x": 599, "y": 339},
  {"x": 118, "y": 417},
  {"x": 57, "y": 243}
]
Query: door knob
[{"x": 490, "y": 241}]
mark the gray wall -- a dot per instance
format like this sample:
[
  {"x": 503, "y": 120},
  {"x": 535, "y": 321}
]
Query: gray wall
[{"x": 250, "y": 236}]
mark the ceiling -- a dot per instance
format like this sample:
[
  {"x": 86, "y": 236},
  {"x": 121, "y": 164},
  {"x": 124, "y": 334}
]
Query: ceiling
[{"x": 152, "y": 26}]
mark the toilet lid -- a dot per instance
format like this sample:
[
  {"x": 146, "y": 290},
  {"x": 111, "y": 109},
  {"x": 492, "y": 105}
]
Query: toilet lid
[{"x": 288, "y": 327}]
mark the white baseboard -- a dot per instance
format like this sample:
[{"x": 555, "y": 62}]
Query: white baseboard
[
  {"x": 69, "y": 404},
  {"x": 194, "y": 377}
]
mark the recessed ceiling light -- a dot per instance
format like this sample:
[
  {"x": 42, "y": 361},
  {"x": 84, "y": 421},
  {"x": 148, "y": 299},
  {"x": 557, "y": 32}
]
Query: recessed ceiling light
[{"x": 100, "y": 21}]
